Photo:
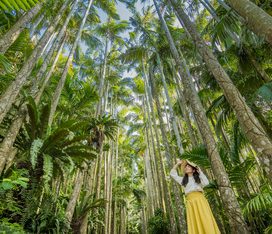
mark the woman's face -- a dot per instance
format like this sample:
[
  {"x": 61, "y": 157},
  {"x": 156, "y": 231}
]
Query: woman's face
[{"x": 189, "y": 169}]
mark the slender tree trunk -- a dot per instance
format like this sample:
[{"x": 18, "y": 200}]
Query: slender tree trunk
[
  {"x": 12, "y": 34},
  {"x": 185, "y": 111},
  {"x": 165, "y": 199},
  {"x": 255, "y": 18},
  {"x": 168, "y": 202},
  {"x": 236, "y": 219},
  {"x": 34, "y": 25},
  {"x": 173, "y": 120},
  {"x": 10, "y": 95},
  {"x": 75, "y": 194},
  {"x": 49, "y": 73},
  {"x": 153, "y": 154},
  {"x": 61, "y": 83},
  {"x": 248, "y": 122},
  {"x": 102, "y": 80},
  {"x": 151, "y": 160}
]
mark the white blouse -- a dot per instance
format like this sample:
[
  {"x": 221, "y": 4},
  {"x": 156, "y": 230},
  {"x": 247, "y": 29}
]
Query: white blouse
[{"x": 192, "y": 185}]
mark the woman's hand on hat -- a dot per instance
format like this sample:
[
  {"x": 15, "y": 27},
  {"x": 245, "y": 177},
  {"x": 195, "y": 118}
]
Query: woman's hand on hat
[{"x": 179, "y": 162}]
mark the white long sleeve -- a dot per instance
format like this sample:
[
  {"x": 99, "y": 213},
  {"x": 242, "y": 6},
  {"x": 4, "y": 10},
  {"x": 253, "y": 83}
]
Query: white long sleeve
[{"x": 175, "y": 176}]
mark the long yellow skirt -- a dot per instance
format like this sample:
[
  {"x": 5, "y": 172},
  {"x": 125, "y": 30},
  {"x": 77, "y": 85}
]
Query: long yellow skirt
[{"x": 200, "y": 219}]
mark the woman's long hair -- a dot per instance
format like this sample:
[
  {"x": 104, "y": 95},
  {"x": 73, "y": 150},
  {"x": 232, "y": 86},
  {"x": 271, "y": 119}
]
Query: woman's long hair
[{"x": 186, "y": 177}]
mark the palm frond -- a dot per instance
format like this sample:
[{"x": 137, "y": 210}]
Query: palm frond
[{"x": 10, "y": 5}]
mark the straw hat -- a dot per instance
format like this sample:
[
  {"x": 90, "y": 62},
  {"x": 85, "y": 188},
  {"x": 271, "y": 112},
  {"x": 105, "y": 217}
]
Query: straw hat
[{"x": 185, "y": 162}]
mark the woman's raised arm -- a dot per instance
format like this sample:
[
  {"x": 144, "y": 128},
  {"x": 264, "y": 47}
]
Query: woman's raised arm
[{"x": 174, "y": 173}]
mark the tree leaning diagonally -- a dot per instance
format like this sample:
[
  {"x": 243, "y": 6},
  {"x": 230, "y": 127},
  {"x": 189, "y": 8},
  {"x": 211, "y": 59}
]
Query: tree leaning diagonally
[
  {"x": 249, "y": 123},
  {"x": 13, "y": 33},
  {"x": 236, "y": 219},
  {"x": 9, "y": 96},
  {"x": 61, "y": 82},
  {"x": 255, "y": 18}
]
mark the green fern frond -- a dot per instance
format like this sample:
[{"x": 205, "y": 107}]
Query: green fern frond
[
  {"x": 47, "y": 169},
  {"x": 5, "y": 64},
  {"x": 259, "y": 203},
  {"x": 199, "y": 155},
  {"x": 34, "y": 151}
]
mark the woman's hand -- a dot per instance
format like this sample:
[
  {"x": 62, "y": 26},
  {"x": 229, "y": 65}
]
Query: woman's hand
[
  {"x": 198, "y": 170},
  {"x": 179, "y": 162}
]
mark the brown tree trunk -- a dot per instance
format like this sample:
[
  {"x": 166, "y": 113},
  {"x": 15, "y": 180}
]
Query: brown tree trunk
[
  {"x": 255, "y": 18},
  {"x": 74, "y": 196},
  {"x": 12, "y": 34}
]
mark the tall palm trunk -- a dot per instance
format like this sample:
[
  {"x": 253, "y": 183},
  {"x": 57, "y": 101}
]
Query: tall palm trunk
[
  {"x": 12, "y": 34},
  {"x": 62, "y": 80},
  {"x": 173, "y": 120},
  {"x": 60, "y": 37},
  {"x": 168, "y": 203},
  {"x": 159, "y": 161},
  {"x": 10, "y": 95},
  {"x": 34, "y": 25},
  {"x": 49, "y": 73},
  {"x": 74, "y": 196},
  {"x": 255, "y": 18},
  {"x": 154, "y": 156},
  {"x": 248, "y": 122},
  {"x": 102, "y": 79},
  {"x": 232, "y": 208},
  {"x": 185, "y": 111}
]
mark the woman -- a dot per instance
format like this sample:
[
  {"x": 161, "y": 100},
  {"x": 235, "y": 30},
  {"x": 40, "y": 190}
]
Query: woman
[{"x": 200, "y": 219}]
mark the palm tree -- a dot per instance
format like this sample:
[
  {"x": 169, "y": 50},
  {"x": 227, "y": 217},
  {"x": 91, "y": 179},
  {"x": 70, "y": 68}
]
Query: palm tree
[{"x": 111, "y": 30}]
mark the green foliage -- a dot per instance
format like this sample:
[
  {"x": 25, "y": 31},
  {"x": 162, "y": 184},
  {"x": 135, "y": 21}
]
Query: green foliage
[
  {"x": 14, "y": 180},
  {"x": 25, "y": 5},
  {"x": 199, "y": 155},
  {"x": 6, "y": 227},
  {"x": 259, "y": 203},
  {"x": 5, "y": 64},
  {"x": 158, "y": 224},
  {"x": 48, "y": 218}
]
